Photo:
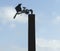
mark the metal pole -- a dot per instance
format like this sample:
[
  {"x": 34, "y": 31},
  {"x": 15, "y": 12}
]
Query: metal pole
[{"x": 31, "y": 32}]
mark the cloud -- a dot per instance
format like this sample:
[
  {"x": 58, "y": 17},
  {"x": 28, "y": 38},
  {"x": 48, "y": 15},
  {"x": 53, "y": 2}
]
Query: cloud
[
  {"x": 56, "y": 20},
  {"x": 12, "y": 26},
  {"x": 11, "y": 47},
  {"x": 54, "y": 44},
  {"x": 47, "y": 45},
  {"x": 7, "y": 14}
]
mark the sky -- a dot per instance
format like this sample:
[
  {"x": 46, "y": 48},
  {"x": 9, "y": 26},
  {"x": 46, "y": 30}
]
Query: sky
[{"x": 14, "y": 32}]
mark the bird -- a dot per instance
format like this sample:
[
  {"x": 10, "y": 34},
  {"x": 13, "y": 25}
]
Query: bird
[{"x": 18, "y": 9}]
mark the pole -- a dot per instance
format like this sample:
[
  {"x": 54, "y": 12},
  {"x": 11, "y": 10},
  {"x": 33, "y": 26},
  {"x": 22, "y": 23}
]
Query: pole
[{"x": 31, "y": 32}]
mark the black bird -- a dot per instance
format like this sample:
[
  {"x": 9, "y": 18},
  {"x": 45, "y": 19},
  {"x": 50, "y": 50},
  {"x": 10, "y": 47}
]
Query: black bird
[{"x": 18, "y": 9}]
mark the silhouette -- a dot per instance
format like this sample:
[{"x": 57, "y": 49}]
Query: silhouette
[
  {"x": 31, "y": 25},
  {"x": 31, "y": 32},
  {"x": 26, "y": 11},
  {"x": 19, "y": 10}
]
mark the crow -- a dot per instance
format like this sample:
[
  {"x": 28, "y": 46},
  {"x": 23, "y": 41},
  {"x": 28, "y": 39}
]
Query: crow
[{"x": 18, "y": 9}]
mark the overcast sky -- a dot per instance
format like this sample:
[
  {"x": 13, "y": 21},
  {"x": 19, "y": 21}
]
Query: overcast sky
[{"x": 14, "y": 32}]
